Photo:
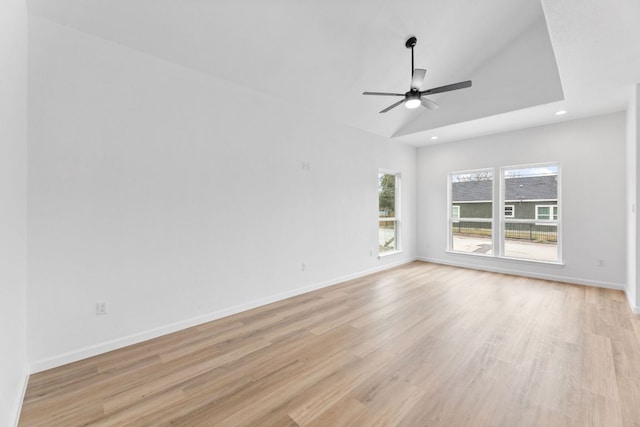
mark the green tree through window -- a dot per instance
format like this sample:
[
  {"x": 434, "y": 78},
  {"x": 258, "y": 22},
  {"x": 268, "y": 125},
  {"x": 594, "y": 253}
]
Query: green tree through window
[
  {"x": 387, "y": 195},
  {"x": 388, "y": 221}
]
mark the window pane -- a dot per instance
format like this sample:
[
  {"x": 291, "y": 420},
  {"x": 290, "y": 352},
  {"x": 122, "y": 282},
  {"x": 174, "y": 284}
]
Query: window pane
[
  {"x": 533, "y": 191},
  {"x": 388, "y": 205},
  {"x": 387, "y": 233},
  {"x": 471, "y": 237},
  {"x": 386, "y": 195},
  {"x": 543, "y": 212},
  {"x": 531, "y": 241},
  {"x": 472, "y": 196}
]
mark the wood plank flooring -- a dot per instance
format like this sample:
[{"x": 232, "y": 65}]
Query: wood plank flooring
[{"x": 419, "y": 345}]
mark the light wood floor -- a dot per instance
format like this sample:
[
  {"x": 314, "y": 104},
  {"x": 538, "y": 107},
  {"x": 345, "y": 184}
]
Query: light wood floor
[{"x": 419, "y": 345}]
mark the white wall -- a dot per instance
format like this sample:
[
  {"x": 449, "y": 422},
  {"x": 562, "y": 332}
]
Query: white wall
[
  {"x": 13, "y": 207},
  {"x": 179, "y": 197},
  {"x": 633, "y": 259},
  {"x": 592, "y": 156}
]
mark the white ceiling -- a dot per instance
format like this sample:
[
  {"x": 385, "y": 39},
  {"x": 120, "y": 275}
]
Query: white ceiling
[{"x": 527, "y": 59}]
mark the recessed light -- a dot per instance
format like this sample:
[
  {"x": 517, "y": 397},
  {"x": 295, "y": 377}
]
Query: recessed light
[
  {"x": 561, "y": 112},
  {"x": 433, "y": 138}
]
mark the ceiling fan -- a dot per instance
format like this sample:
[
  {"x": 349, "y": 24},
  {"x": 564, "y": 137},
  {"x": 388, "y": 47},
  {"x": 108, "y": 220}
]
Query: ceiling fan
[{"x": 416, "y": 97}]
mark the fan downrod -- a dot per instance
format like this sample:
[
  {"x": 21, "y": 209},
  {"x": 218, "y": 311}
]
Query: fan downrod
[{"x": 411, "y": 42}]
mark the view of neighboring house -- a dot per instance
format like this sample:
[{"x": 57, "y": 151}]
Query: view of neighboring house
[
  {"x": 528, "y": 218},
  {"x": 529, "y": 197}
]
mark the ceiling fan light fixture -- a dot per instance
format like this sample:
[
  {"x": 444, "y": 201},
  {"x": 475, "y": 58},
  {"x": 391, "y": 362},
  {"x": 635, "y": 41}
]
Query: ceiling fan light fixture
[
  {"x": 412, "y": 103},
  {"x": 412, "y": 100}
]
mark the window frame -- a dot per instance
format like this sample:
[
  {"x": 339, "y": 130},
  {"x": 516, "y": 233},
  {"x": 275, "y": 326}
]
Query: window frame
[
  {"x": 504, "y": 220},
  {"x": 500, "y": 217},
  {"x": 457, "y": 214},
  {"x": 397, "y": 213},
  {"x": 553, "y": 212},
  {"x": 451, "y": 220}
]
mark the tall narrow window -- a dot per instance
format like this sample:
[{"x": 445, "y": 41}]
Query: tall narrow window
[
  {"x": 388, "y": 212},
  {"x": 532, "y": 232},
  {"x": 471, "y": 211}
]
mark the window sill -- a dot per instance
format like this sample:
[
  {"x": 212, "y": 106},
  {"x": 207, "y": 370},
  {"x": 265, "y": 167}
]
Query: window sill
[
  {"x": 558, "y": 264},
  {"x": 386, "y": 254}
]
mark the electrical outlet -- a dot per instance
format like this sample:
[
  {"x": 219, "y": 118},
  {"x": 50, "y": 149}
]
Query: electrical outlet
[
  {"x": 304, "y": 266},
  {"x": 102, "y": 307}
]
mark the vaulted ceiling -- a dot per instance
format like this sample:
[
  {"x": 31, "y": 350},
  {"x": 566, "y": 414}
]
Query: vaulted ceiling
[{"x": 527, "y": 58}]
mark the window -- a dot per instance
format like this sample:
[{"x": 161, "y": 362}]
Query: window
[
  {"x": 509, "y": 211},
  {"x": 471, "y": 211},
  {"x": 455, "y": 212},
  {"x": 533, "y": 233},
  {"x": 527, "y": 217},
  {"x": 388, "y": 212},
  {"x": 547, "y": 212}
]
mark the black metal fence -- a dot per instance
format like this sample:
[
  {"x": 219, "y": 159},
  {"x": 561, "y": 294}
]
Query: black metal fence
[
  {"x": 535, "y": 232},
  {"x": 472, "y": 228}
]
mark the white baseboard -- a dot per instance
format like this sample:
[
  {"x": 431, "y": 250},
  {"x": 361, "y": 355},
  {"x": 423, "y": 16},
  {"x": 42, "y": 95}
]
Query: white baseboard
[
  {"x": 96, "y": 349},
  {"x": 516, "y": 272},
  {"x": 18, "y": 405},
  {"x": 634, "y": 308}
]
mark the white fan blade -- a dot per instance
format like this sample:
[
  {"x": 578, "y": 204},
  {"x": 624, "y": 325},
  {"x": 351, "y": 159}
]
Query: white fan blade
[{"x": 418, "y": 78}]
